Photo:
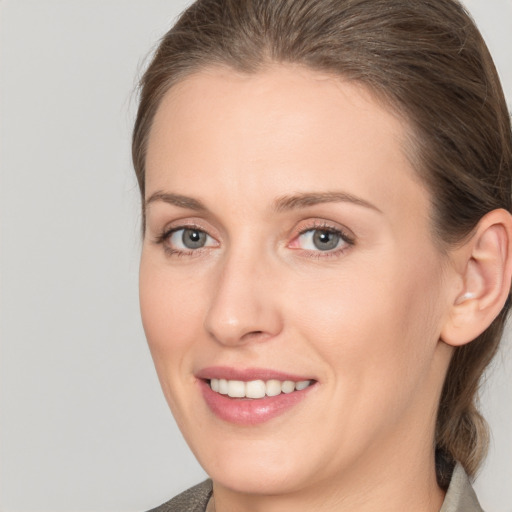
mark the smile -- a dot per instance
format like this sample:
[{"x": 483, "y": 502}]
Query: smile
[
  {"x": 248, "y": 397},
  {"x": 256, "y": 389}
]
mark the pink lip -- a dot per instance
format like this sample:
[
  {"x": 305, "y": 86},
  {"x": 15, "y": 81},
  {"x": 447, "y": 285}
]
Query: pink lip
[
  {"x": 246, "y": 411},
  {"x": 247, "y": 374}
]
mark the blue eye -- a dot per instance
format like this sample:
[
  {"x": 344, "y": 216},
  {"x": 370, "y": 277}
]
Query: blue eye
[
  {"x": 184, "y": 239},
  {"x": 321, "y": 240}
]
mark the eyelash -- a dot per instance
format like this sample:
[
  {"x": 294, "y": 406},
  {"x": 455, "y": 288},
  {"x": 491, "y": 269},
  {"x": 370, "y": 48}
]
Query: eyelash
[
  {"x": 162, "y": 237},
  {"x": 349, "y": 240},
  {"x": 315, "y": 226}
]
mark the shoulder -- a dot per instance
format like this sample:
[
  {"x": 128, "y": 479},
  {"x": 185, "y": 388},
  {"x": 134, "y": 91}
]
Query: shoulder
[
  {"x": 460, "y": 496},
  {"x": 194, "y": 499}
]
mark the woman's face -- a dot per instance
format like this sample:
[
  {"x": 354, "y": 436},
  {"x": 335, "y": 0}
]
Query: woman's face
[{"x": 287, "y": 245}]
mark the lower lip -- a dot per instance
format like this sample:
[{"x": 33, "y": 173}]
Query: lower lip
[{"x": 247, "y": 411}]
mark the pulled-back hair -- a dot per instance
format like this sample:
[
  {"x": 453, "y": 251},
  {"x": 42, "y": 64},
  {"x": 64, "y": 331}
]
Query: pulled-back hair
[{"x": 429, "y": 63}]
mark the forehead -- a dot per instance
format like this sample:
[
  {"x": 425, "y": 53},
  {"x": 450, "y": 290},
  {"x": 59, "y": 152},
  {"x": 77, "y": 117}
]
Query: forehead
[
  {"x": 288, "y": 126},
  {"x": 282, "y": 96}
]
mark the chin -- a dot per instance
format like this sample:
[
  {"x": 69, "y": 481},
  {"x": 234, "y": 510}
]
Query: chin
[
  {"x": 257, "y": 466},
  {"x": 257, "y": 477}
]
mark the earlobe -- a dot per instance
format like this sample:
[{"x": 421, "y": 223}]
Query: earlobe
[{"x": 486, "y": 263}]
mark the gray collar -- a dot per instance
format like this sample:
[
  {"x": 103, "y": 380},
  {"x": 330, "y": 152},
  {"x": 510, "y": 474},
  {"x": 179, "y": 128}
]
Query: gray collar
[{"x": 460, "y": 496}]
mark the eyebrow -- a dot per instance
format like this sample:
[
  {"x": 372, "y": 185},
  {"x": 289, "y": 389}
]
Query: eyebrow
[
  {"x": 297, "y": 201},
  {"x": 281, "y": 204},
  {"x": 177, "y": 200}
]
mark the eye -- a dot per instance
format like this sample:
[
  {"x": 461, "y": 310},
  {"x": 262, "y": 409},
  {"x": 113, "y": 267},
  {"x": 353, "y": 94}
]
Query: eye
[
  {"x": 188, "y": 239},
  {"x": 322, "y": 239}
]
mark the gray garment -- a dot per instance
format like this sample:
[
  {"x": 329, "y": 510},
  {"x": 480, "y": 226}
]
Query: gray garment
[
  {"x": 194, "y": 499},
  {"x": 459, "y": 498}
]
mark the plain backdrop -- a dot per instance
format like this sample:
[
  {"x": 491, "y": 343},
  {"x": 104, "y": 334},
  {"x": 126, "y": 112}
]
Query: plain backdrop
[{"x": 84, "y": 426}]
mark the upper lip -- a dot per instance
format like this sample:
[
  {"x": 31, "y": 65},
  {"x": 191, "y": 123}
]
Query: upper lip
[{"x": 247, "y": 374}]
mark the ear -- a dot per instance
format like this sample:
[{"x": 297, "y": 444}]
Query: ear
[{"x": 484, "y": 270}]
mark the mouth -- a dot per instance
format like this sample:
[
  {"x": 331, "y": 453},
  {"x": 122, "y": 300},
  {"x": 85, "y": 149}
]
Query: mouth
[
  {"x": 251, "y": 397},
  {"x": 256, "y": 389}
]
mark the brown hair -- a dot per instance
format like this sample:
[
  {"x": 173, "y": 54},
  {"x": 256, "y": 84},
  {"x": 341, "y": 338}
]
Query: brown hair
[{"x": 430, "y": 63}]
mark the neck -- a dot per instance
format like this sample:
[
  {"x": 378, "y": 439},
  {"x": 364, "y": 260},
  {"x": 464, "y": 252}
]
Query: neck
[
  {"x": 389, "y": 494},
  {"x": 390, "y": 480}
]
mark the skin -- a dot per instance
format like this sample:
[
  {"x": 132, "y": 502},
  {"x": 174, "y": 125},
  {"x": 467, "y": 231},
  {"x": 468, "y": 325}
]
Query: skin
[{"x": 364, "y": 320}]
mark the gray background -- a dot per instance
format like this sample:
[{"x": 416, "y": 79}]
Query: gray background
[{"x": 84, "y": 426}]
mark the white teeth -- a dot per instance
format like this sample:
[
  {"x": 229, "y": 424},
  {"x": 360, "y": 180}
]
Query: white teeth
[
  {"x": 256, "y": 388},
  {"x": 288, "y": 386},
  {"x": 236, "y": 388},
  {"x": 303, "y": 384},
  {"x": 223, "y": 386},
  {"x": 273, "y": 387}
]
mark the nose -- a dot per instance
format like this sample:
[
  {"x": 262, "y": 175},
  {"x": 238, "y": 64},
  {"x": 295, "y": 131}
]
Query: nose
[{"x": 244, "y": 305}]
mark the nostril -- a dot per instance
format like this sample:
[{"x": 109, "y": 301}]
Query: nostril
[{"x": 254, "y": 334}]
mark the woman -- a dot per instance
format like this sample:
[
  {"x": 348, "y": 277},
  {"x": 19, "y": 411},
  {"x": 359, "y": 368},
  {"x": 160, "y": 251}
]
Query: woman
[{"x": 327, "y": 238}]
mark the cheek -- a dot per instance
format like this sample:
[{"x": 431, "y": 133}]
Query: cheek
[
  {"x": 172, "y": 317},
  {"x": 376, "y": 325},
  {"x": 171, "y": 312}
]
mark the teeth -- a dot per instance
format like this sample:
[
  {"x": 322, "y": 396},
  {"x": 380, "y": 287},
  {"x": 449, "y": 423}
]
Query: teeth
[
  {"x": 236, "y": 388},
  {"x": 256, "y": 388},
  {"x": 273, "y": 388},
  {"x": 303, "y": 384},
  {"x": 288, "y": 386},
  {"x": 223, "y": 386}
]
